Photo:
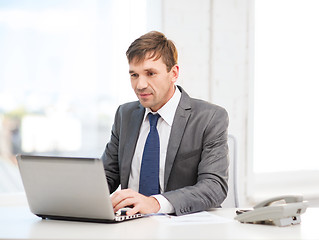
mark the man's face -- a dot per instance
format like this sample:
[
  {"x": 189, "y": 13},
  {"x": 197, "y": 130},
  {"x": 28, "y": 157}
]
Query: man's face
[{"x": 151, "y": 82}]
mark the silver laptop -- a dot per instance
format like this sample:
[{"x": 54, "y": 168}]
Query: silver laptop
[{"x": 68, "y": 188}]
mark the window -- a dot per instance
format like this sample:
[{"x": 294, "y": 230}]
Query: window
[
  {"x": 286, "y": 115},
  {"x": 63, "y": 74}
]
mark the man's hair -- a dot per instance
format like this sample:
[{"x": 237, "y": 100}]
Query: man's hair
[{"x": 155, "y": 44}]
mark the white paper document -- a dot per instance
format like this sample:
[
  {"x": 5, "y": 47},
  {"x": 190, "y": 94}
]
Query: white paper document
[{"x": 194, "y": 218}]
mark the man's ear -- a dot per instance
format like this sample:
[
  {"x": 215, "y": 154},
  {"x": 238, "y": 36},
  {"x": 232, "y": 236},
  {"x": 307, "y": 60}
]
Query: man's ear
[{"x": 175, "y": 73}]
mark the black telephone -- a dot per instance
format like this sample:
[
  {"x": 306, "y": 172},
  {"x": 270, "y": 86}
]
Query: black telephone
[{"x": 280, "y": 211}]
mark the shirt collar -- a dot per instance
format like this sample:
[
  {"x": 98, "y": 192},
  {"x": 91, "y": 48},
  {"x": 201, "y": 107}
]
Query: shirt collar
[{"x": 167, "y": 112}]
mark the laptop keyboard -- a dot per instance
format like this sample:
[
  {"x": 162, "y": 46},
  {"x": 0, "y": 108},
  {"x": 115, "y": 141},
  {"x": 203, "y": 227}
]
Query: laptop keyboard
[{"x": 126, "y": 217}]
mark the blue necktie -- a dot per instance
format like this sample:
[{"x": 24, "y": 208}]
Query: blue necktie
[{"x": 149, "y": 174}]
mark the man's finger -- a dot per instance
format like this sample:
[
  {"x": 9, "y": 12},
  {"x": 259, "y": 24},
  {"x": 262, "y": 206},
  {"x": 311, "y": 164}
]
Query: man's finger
[
  {"x": 134, "y": 210},
  {"x": 119, "y": 196},
  {"x": 124, "y": 203}
]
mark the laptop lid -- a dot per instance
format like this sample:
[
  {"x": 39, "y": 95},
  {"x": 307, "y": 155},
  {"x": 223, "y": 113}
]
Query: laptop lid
[{"x": 66, "y": 188}]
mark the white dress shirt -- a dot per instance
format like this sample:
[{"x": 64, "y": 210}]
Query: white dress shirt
[{"x": 164, "y": 125}]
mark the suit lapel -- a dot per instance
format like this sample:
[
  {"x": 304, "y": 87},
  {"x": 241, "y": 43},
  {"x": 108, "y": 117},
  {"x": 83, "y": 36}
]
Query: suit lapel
[
  {"x": 132, "y": 135},
  {"x": 179, "y": 124}
]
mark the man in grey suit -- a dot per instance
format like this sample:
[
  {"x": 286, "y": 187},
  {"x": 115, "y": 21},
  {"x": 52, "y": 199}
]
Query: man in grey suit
[{"x": 193, "y": 150}]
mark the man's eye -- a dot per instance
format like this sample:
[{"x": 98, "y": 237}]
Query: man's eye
[
  {"x": 150, "y": 74},
  {"x": 134, "y": 75}
]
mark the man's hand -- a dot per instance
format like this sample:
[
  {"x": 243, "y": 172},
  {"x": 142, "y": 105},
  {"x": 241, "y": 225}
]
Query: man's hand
[{"x": 140, "y": 203}]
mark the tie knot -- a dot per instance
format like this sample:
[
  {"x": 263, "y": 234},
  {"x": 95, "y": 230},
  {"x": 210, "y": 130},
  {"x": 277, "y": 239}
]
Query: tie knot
[{"x": 153, "y": 118}]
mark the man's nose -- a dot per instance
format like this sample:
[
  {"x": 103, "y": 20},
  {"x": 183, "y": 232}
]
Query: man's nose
[{"x": 141, "y": 83}]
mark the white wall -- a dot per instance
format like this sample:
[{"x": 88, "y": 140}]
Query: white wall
[
  {"x": 214, "y": 42},
  {"x": 187, "y": 23}
]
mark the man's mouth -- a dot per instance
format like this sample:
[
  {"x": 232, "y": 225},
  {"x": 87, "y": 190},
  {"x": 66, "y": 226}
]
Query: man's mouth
[{"x": 143, "y": 95}]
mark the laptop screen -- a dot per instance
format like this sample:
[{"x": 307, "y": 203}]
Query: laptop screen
[{"x": 67, "y": 187}]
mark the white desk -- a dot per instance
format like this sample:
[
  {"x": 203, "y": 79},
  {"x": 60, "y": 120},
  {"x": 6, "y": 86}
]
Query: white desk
[{"x": 19, "y": 223}]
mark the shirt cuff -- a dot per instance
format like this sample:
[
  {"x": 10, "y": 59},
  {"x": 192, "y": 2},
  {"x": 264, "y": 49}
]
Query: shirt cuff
[{"x": 165, "y": 205}]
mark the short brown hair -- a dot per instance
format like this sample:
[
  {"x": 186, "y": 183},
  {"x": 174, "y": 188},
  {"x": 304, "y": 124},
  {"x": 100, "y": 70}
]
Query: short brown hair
[{"x": 156, "y": 44}]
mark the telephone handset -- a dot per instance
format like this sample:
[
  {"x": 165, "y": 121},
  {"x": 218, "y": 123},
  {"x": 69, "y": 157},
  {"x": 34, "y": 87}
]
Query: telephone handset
[{"x": 280, "y": 211}]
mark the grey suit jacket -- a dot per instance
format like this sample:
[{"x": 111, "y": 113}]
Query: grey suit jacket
[{"x": 196, "y": 168}]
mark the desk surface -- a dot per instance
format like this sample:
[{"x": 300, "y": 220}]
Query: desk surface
[{"x": 20, "y": 223}]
